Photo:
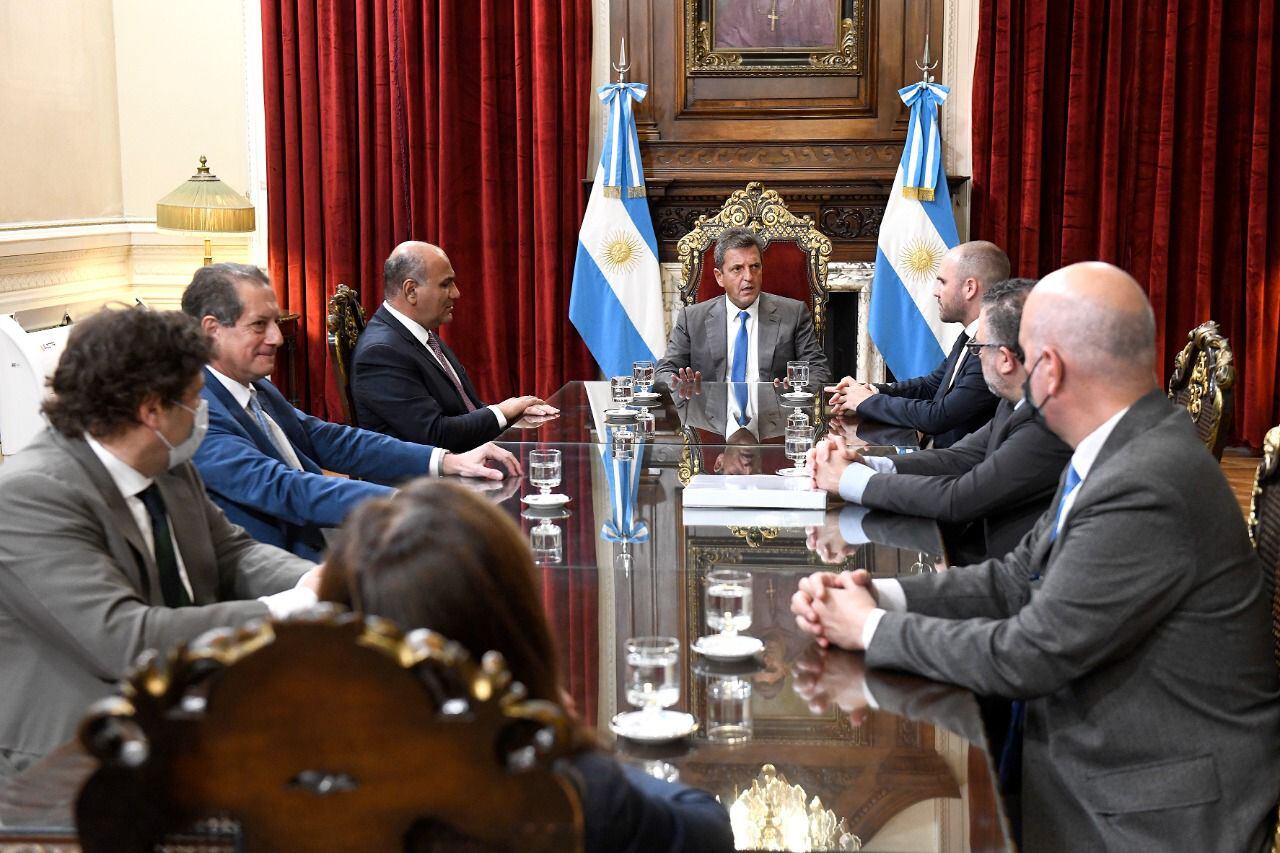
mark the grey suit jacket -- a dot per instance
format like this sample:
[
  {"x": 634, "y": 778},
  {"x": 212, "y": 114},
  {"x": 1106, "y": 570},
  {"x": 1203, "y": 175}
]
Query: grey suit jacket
[
  {"x": 79, "y": 592},
  {"x": 1140, "y": 637},
  {"x": 698, "y": 340},
  {"x": 1004, "y": 475},
  {"x": 709, "y": 410}
]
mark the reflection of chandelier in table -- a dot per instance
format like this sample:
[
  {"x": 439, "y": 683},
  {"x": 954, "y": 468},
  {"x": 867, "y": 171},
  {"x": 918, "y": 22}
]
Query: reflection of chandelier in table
[{"x": 771, "y": 815}]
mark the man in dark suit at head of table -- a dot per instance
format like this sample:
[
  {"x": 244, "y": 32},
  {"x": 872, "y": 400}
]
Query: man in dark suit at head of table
[
  {"x": 1132, "y": 623},
  {"x": 953, "y": 400},
  {"x": 405, "y": 381}
]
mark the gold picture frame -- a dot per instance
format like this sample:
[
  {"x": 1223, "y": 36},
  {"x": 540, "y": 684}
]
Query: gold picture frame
[{"x": 729, "y": 37}]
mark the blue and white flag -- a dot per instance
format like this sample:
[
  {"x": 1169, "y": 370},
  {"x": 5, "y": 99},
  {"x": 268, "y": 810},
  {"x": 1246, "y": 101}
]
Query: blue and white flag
[
  {"x": 623, "y": 477},
  {"x": 616, "y": 303},
  {"x": 917, "y": 229}
]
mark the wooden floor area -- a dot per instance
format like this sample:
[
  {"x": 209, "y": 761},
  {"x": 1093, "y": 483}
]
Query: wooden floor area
[{"x": 1239, "y": 467}]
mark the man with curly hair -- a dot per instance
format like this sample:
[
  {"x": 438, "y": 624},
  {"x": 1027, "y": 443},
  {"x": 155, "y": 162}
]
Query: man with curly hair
[{"x": 108, "y": 544}]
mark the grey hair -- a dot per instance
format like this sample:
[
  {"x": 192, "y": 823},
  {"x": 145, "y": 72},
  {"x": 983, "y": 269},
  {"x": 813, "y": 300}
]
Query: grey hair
[
  {"x": 402, "y": 265},
  {"x": 736, "y": 238},
  {"x": 212, "y": 291},
  {"x": 1002, "y": 311}
]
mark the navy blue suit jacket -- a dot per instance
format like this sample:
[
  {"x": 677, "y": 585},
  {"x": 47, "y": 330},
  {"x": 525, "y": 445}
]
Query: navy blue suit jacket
[
  {"x": 246, "y": 476},
  {"x": 401, "y": 390},
  {"x": 927, "y": 404}
]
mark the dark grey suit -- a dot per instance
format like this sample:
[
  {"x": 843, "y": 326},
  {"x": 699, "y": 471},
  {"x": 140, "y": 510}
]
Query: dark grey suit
[
  {"x": 785, "y": 329},
  {"x": 79, "y": 592},
  {"x": 1004, "y": 475},
  {"x": 1141, "y": 640}
]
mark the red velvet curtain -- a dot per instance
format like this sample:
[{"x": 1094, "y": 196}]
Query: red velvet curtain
[
  {"x": 458, "y": 122},
  {"x": 1139, "y": 132}
]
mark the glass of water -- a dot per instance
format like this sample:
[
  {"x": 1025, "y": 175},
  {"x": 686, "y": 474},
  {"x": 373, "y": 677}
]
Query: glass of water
[
  {"x": 797, "y": 376},
  {"x": 547, "y": 542},
  {"x": 642, "y": 376},
  {"x": 544, "y": 471},
  {"x": 621, "y": 390},
  {"x": 799, "y": 439},
  {"x": 728, "y": 600},
  {"x": 728, "y": 717},
  {"x": 652, "y": 672},
  {"x": 646, "y": 424}
]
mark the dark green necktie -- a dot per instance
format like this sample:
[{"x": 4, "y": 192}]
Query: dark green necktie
[{"x": 175, "y": 594}]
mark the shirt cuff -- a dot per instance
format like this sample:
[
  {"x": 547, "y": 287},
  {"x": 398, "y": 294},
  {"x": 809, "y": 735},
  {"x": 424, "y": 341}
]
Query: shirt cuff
[
  {"x": 497, "y": 413},
  {"x": 880, "y": 464},
  {"x": 854, "y": 481},
  {"x": 289, "y": 602},
  {"x": 866, "y": 688},
  {"x": 889, "y": 595},
  {"x": 437, "y": 461},
  {"x": 851, "y": 525},
  {"x": 868, "y": 632}
]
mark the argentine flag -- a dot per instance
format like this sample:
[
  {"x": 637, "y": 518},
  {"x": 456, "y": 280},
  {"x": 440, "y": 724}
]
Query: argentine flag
[
  {"x": 616, "y": 302},
  {"x": 917, "y": 229}
]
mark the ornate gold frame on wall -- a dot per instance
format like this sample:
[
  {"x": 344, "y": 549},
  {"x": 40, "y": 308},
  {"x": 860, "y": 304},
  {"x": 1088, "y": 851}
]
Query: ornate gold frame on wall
[{"x": 702, "y": 58}]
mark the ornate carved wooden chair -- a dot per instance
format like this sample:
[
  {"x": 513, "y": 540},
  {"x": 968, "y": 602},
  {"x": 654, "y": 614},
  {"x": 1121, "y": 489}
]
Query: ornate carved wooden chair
[
  {"x": 1264, "y": 522},
  {"x": 345, "y": 323},
  {"x": 796, "y": 253},
  {"x": 1204, "y": 376},
  {"x": 327, "y": 733}
]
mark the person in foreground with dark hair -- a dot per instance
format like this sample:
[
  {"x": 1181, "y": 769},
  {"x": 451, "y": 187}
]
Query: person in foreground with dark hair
[
  {"x": 1132, "y": 623},
  {"x": 108, "y": 544},
  {"x": 439, "y": 556},
  {"x": 264, "y": 462}
]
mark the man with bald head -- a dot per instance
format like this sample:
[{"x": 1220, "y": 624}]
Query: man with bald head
[
  {"x": 406, "y": 383},
  {"x": 953, "y": 400},
  {"x": 1132, "y": 621}
]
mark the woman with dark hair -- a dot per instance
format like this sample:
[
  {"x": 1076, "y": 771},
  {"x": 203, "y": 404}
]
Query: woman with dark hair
[{"x": 439, "y": 556}]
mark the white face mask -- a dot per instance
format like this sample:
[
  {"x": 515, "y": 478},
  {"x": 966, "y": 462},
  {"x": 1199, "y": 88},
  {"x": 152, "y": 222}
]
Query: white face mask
[{"x": 184, "y": 452}]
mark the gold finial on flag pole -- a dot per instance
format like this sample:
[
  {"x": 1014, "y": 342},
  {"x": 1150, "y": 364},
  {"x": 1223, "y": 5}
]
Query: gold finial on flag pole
[{"x": 622, "y": 66}]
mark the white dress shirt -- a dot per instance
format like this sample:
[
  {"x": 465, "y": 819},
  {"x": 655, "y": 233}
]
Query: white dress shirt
[
  {"x": 969, "y": 330},
  {"x": 131, "y": 483},
  {"x": 733, "y": 419},
  {"x": 418, "y": 331},
  {"x": 243, "y": 393},
  {"x": 753, "y": 339}
]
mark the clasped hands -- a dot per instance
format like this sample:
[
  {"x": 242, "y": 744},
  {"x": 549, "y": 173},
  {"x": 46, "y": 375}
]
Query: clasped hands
[
  {"x": 848, "y": 394},
  {"x": 832, "y": 608}
]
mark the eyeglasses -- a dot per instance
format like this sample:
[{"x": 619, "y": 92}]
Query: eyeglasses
[{"x": 974, "y": 347}]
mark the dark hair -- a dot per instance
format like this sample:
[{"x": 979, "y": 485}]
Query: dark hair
[
  {"x": 736, "y": 238},
  {"x": 402, "y": 264},
  {"x": 1003, "y": 303},
  {"x": 213, "y": 291},
  {"x": 438, "y": 556},
  {"x": 114, "y": 360}
]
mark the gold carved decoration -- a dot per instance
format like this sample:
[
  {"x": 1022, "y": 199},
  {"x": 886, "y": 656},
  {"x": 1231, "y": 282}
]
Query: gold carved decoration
[
  {"x": 1203, "y": 378},
  {"x": 1265, "y": 475},
  {"x": 702, "y": 58},
  {"x": 690, "y": 458},
  {"x": 754, "y": 536},
  {"x": 764, "y": 213}
]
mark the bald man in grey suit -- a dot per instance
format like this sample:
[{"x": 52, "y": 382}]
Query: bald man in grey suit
[{"x": 1133, "y": 620}]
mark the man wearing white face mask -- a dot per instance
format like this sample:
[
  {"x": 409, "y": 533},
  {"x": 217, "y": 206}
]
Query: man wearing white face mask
[{"x": 108, "y": 544}]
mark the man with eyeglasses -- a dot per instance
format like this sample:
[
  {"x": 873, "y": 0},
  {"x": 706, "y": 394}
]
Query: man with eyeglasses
[
  {"x": 953, "y": 400},
  {"x": 109, "y": 545},
  {"x": 264, "y": 461},
  {"x": 988, "y": 488}
]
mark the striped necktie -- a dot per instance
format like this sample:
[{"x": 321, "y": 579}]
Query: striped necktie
[{"x": 433, "y": 343}]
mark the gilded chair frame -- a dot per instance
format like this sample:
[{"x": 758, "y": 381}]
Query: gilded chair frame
[
  {"x": 764, "y": 213},
  {"x": 1203, "y": 379},
  {"x": 345, "y": 323}
]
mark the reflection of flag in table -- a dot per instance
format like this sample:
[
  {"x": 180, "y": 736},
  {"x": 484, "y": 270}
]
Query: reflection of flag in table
[
  {"x": 917, "y": 229},
  {"x": 616, "y": 303},
  {"x": 623, "y": 478}
]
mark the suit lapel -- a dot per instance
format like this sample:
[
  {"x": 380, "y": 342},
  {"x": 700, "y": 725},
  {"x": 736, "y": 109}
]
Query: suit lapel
[
  {"x": 221, "y": 396},
  {"x": 425, "y": 356},
  {"x": 950, "y": 366},
  {"x": 183, "y": 518},
  {"x": 714, "y": 332},
  {"x": 275, "y": 406},
  {"x": 767, "y": 337}
]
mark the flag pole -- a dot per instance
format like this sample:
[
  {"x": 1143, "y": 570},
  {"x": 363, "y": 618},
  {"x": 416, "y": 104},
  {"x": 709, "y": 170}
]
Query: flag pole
[{"x": 622, "y": 66}]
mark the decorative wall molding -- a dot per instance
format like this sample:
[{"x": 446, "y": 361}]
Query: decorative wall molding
[
  {"x": 851, "y": 222},
  {"x": 669, "y": 160}
]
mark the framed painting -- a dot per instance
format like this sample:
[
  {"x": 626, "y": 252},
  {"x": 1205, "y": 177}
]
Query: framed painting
[{"x": 775, "y": 37}]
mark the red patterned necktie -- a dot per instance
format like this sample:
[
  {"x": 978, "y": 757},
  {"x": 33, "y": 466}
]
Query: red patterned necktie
[{"x": 433, "y": 343}]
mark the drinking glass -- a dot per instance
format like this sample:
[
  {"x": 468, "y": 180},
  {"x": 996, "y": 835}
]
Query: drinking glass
[
  {"x": 547, "y": 542},
  {"x": 620, "y": 389},
  {"x": 624, "y": 444},
  {"x": 797, "y": 376},
  {"x": 728, "y": 709},
  {"x": 652, "y": 677},
  {"x": 544, "y": 471},
  {"x": 728, "y": 601},
  {"x": 642, "y": 376},
  {"x": 799, "y": 439},
  {"x": 797, "y": 419},
  {"x": 646, "y": 424}
]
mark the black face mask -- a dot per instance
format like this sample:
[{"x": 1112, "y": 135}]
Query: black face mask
[{"x": 1037, "y": 411}]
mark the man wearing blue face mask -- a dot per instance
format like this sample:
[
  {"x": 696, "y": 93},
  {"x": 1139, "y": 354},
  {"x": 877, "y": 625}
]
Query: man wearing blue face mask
[{"x": 108, "y": 543}]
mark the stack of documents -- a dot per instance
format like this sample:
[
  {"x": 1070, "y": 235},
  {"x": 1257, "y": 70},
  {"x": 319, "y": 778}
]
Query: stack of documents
[{"x": 753, "y": 490}]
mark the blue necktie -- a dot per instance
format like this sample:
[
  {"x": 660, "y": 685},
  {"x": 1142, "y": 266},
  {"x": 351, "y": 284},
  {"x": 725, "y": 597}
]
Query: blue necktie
[
  {"x": 738, "y": 370},
  {"x": 740, "y": 399},
  {"x": 1073, "y": 481}
]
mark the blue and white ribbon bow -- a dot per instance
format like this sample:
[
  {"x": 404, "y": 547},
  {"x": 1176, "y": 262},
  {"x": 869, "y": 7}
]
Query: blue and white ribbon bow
[
  {"x": 922, "y": 155},
  {"x": 620, "y": 158}
]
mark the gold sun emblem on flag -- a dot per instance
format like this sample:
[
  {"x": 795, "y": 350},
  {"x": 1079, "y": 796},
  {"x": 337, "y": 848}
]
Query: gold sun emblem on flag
[
  {"x": 919, "y": 259},
  {"x": 620, "y": 251}
]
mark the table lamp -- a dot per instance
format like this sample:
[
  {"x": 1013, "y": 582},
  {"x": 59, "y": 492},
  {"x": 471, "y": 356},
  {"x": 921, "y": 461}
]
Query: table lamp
[{"x": 204, "y": 203}]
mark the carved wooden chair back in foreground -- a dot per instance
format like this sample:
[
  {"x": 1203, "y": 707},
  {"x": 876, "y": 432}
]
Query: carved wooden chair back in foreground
[
  {"x": 328, "y": 733},
  {"x": 1264, "y": 522},
  {"x": 1204, "y": 376},
  {"x": 345, "y": 324},
  {"x": 796, "y": 253}
]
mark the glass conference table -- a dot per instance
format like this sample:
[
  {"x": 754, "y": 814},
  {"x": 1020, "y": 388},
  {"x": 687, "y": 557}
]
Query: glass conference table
[{"x": 624, "y": 558}]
